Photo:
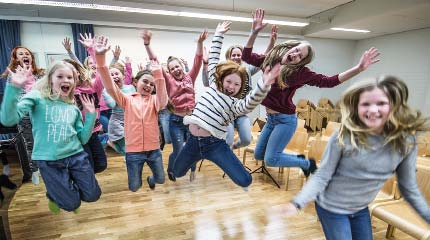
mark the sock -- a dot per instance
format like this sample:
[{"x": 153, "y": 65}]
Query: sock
[
  {"x": 35, "y": 178},
  {"x": 6, "y": 170}
]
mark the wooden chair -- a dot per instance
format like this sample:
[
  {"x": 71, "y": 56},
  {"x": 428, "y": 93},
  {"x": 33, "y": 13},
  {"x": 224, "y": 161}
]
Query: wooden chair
[
  {"x": 330, "y": 128},
  {"x": 303, "y": 111},
  {"x": 297, "y": 145},
  {"x": 324, "y": 108},
  {"x": 398, "y": 213},
  {"x": 301, "y": 125}
]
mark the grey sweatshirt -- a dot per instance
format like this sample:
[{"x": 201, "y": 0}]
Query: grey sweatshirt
[{"x": 347, "y": 181}]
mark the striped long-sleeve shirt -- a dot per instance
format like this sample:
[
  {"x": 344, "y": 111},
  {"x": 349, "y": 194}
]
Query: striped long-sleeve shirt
[{"x": 215, "y": 110}]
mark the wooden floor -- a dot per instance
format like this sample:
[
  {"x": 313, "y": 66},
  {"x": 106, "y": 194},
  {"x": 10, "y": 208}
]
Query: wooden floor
[{"x": 211, "y": 207}]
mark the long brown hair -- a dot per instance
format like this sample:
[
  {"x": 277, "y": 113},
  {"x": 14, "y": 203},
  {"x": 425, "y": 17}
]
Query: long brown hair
[
  {"x": 402, "y": 121},
  {"x": 83, "y": 79},
  {"x": 14, "y": 62},
  {"x": 277, "y": 53},
  {"x": 226, "y": 68},
  {"x": 230, "y": 49}
]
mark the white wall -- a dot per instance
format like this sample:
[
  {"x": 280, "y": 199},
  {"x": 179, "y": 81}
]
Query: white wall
[
  {"x": 407, "y": 56},
  {"x": 332, "y": 56}
]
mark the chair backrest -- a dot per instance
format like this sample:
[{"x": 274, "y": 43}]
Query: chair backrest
[
  {"x": 316, "y": 148},
  {"x": 423, "y": 181},
  {"x": 330, "y": 128},
  {"x": 325, "y": 103},
  {"x": 298, "y": 142}
]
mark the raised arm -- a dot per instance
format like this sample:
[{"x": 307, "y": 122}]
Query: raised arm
[
  {"x": 160, "y": 86},
  {"x": 101, "y": 46},
  {"x": 84, "y": 131},
  {"x": 273, "y": 38},
  {"x": 146, "y": 35},
  {"x": 368, "y": 58},
  {"x": 205, "y": 76},
  {"x": 128, "y": 71},
  {"x": 68, "y": 46},
  {"x": 215, "y": 50},
  {"x": 257, "y": 26},
  {"x": 194, "y": 72},
  {"x": 11, "y": 111},
  {"x": 116, "y": 54}
]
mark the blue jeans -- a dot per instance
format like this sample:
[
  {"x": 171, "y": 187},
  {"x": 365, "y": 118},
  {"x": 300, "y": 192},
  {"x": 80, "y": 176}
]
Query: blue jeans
[
  {"x": 135, "y": 161},
  {"x": 70, "y": 180},
  {"x": 356, "y": 226},
  {"x": 163, "y": 119},
  {"x": 243, "y": 125},
  {"x": 215, "y": 150},
  {"x": 276, "y": 134},
  {"x": 104, "y": 119},
  {"x": 179, "y": 134},
  {"x": 96, "y": 153}
]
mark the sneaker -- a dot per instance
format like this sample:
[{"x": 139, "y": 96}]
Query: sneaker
[
  {"x": 112, "y": 145},
  {"x": 245, "y": 189},
  {"x": 103, "y": 138},
  {"x": 35, "y": 178},
  {"x": 312, "y": 168},
  {"x": 192, "y": 176},
  {"x": 150, "y": 183},
  {"x": 53, "y": 207},
  {"x": 77, "y": 210},
  {"x": 171, "y": 176},
  {"x": 6, "y": 170},
  {"x": 5, "y": 182}
]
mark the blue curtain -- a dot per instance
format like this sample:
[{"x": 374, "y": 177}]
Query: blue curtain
[
  {"x": 10, "y": 37},
  {"x": 77, "y": 29}
]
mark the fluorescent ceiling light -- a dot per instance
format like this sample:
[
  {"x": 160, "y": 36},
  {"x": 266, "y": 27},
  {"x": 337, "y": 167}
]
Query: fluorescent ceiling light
[
  {"x": 149, "y": 11},
  {"x": 350, "y": 30}
]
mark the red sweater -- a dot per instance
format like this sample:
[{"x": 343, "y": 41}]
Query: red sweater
[{"x": 282, "y": 100}]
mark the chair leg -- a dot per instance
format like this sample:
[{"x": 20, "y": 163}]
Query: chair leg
[
  {"x": 390, "y": 231},
  {"x": 287, "y": 178}
]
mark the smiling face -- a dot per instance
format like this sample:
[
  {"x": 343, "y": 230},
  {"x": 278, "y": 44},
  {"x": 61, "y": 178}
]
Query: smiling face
[
  {"x": 374, "y": 109},
  {"x": 236, "y": 55},
  {"x": 295, "y": 55},
  {"x": 24, "y": 57},
  {"x": 231, "y": 84},
  {"x": 145, "y": 85},
  {"x": 176, "y": 69},
  {"x": 117, "y": 76},
  {"x": 63, "y": 82}
]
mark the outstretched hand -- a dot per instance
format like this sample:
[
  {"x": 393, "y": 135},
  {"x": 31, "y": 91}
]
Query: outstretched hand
[
  {"x": 203, "y": 36},
  {"x": 274, "y": 33},
  {"x": 21, "y": 75},
  {"x": 116, "y": 52},
  {"x": 101, "y": 45},
  {"x": 368, "y": 58},
  {"x": 223, "y": 27},
  {"x": 257, "y": 20},
  {"x": 270, "y": 74},
  {"x": 67, "y": 44},
  {"x": 286, "y": 210},
  {"x": 87, "y": 103},
  {"x": 146, "y": 35},
  {"x": 154, "y": 65},
  {"x": 87, "y": 40}
]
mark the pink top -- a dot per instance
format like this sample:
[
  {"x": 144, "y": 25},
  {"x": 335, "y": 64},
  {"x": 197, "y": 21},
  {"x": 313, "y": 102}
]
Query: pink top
[{"x": 181, "y": 92}]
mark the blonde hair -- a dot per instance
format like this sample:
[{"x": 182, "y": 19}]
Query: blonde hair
[
  {"x": 402, "y": 122},
  {"x": 83, "y": 79},
  {"x": 230, "y": 49},
  {"x": 118, "y": 66},
  {"x": 226, "y": 68},
  {"x": 44, "y": 85},
  {"x": 277, "y": 53}
]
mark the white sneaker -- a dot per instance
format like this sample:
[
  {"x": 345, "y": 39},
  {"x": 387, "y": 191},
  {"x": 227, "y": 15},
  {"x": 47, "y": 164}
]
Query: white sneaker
[
  {"x": 6, "y": 170},
  {"x": 192, "y": 176},
  {"x": 35, "y": 178},
  {"x": 245, "y": 189}
]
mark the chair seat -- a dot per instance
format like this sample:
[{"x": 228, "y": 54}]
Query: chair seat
[{"x": 400, "y": 215}]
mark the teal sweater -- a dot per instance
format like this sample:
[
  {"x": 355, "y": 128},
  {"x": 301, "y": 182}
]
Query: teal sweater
[{"x": 58, "y": 130}]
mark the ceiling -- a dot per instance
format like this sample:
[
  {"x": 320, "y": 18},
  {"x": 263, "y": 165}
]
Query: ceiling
[{"x": 381, "y": 17}]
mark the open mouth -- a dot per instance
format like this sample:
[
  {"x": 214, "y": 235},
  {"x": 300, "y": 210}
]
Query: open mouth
[
  {"x": 116, "y": 81},
  {"x": 26, "y": 61},
  {"x": 229, "y": 92},
  {"x": 65, "y": 88},
  {"x": 290, "y": 58}
]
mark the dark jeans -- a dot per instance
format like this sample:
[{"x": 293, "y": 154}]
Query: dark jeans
[
  {"x": 25, "y": 126},
  {"x": 70, "y": 180},
  {"x": 104, "y": 119},
  {"x": 215, "y": 150},
  {"x": 135, "y": 161},
  {"x": 96, "y": 153},
  {"x": 179, "y": 134},
  {"x": 356, "y": 226}
]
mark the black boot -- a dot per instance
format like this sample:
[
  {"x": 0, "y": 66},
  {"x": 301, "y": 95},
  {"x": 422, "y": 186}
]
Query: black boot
[{"x": 5, "y": 182}]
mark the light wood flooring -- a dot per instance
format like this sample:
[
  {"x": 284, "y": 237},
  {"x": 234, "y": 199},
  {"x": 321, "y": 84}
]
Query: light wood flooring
[{"x": 211, "y": 207}]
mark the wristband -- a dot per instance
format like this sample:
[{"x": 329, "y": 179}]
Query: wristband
[{"x": 146, "y": 44}]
